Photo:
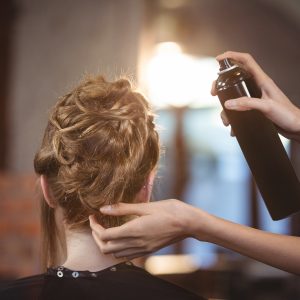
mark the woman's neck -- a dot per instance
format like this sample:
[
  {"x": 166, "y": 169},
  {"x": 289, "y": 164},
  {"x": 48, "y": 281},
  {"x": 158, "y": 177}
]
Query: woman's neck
[{"x": 84, "y": 254}]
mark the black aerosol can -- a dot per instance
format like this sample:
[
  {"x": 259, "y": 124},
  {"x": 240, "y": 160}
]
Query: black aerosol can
[{"x": 260, "y": 143}]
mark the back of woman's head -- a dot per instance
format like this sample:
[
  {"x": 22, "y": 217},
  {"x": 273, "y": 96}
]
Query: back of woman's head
[{"x": 99, "y": 148}]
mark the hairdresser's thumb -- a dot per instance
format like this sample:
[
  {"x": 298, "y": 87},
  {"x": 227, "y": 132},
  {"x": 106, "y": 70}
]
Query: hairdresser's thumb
[
  {"x": 94, "y": 224},
  {"x": 122, "y": 209}
]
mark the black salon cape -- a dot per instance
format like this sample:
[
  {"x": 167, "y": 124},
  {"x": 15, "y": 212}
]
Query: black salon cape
[{"x": 123, "y": 281}]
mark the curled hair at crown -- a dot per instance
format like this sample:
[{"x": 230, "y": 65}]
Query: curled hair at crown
[{"x": 99, "y": 147}]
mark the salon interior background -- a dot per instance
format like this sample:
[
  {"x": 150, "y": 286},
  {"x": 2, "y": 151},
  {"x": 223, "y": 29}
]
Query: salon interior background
[{"x": 47, "y": 45}]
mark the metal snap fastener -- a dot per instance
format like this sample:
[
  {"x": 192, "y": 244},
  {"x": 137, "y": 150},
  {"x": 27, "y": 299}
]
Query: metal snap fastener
[
  {"x": 75, "y": 274},
  {"x": 113, "y": 269},
  {"x": 60, "y": 274},
  {"x": 60, "y": 268}
]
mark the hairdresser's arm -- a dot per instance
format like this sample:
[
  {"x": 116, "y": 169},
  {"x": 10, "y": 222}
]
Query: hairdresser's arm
[
  {"x": 274, "y": 104},
  {"x": 163, "y": 222}
]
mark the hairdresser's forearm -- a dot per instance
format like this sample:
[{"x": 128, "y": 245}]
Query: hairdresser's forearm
[{"x": 280, "y": 251}]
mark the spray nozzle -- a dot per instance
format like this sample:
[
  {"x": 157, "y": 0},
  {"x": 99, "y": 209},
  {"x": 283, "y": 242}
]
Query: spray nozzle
[{"x": 226, "y": 64}]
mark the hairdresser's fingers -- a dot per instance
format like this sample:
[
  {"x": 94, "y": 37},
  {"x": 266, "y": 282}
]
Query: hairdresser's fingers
[
  {"x": 224, "y": 118},
  {"x": 110, "y": 233},
  {"x": 98, "y": 241},
  {"x": 249, "y": 63},
  {"x": 111, "y": 247},
  {"x": 122, "y": 209},
  {"x": 131, "y": 253},
  {"x": 246, "y": 103},
  {"x": 95, "y": 225},
  {"x": 213, "y": 90},
  {"x": 114, "y": 246},
  {"x": 97, "y": 229},
  {"x": 127, "y": 230}
]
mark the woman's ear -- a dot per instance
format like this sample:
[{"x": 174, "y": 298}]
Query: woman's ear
[
  {"x": 47, "y": 192},
  {"x": 145, "y": 192}
]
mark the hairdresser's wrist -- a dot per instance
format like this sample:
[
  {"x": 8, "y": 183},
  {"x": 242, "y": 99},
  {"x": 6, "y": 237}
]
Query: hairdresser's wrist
[
  {"x": 199, "y": 225},
  {"x": 180, "y": 218}
]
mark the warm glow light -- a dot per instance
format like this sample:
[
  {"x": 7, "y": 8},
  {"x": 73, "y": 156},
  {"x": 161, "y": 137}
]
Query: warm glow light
[
  {"x": 167, "y": 48},
  {"x": 171, "y": 264},
  {"x": 172, "y": 4},
  {"x": 174, "y": 78}
]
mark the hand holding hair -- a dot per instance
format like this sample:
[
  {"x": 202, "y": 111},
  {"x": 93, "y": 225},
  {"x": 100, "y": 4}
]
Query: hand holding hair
[
  {"x": 144, "y": 234},
  {"x": 164, "y": 222}
]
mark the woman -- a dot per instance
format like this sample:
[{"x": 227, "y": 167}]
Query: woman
[
  {"x": 100, "y": 147},
  {"x": 163, "y": 222}
]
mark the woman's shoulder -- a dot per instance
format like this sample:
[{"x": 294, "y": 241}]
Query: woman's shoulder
[
  {"x": 23, "y": 288},
  {"x": 121, "y": 281},
  {"x": 163, "y": 288}
]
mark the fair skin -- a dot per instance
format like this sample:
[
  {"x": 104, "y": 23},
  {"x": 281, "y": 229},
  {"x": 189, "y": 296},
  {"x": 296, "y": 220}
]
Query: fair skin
[
  {"x": 165, "y": 222},
  {"x": 81, "y": 242}
]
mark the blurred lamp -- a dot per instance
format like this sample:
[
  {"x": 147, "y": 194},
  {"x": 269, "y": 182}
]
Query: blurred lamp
[
  {"x": 172, "y": 78},
  {"x": 171, "y": 264}
]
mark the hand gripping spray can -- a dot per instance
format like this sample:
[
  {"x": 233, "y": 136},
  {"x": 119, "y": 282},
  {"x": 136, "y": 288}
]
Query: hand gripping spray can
[{"x": 260, "y": 143}]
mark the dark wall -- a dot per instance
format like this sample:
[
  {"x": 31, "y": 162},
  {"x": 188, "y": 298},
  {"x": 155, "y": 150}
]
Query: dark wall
[{"x": 7, "y": 14}]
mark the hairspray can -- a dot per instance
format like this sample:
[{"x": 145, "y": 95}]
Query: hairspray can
[{"x": 260, "y": 143}]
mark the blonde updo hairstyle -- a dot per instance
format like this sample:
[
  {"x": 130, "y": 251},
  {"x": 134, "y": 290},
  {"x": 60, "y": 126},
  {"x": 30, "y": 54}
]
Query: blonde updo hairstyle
[{"x": 99, "y": 148}]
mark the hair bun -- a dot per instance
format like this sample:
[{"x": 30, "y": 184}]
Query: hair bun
[{"x": 99, "y": 147}]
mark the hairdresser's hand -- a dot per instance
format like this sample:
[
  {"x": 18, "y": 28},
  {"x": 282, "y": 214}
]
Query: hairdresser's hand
[
  {"x": 157, "y": 224},
  {"x": 274, "y": 104}
]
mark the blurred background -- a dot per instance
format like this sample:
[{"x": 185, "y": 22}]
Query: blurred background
[{"x": 167, "y": 47}]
